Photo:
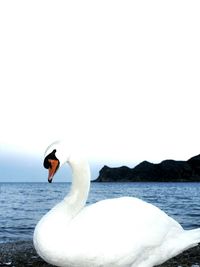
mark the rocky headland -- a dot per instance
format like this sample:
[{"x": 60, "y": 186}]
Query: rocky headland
[{"x": 165, "y": 171}]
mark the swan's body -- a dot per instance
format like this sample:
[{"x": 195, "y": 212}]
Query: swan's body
[{"x": 126, "y": 232}]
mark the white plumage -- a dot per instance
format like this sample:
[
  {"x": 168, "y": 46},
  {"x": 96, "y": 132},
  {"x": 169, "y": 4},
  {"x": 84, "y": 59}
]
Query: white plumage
[{"x": 126, "y": 232}]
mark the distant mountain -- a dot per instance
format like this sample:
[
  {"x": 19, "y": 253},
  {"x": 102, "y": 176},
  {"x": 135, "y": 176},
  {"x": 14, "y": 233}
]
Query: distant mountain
[{"x": 166, "y": 171}]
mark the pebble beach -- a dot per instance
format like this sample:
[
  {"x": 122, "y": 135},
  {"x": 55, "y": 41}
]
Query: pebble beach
[{"x": 23, "y": 254}]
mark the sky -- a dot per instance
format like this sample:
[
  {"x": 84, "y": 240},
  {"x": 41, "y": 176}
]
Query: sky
[{"x": 120, "y": 78}]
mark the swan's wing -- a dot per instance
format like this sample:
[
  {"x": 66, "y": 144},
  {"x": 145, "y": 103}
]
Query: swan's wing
[{"x": 120, "y": 229}]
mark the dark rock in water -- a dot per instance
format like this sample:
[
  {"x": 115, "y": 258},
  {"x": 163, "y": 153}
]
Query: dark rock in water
[
  {"x": 166, "y": 171},
  {"x": 22, "y": 254}
]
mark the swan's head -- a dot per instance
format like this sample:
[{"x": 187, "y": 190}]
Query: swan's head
[{"x": 54, "y": 157}]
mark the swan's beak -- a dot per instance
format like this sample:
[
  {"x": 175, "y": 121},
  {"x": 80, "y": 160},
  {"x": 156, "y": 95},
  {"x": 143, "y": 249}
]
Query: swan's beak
[{"x": 54, "y": 164}]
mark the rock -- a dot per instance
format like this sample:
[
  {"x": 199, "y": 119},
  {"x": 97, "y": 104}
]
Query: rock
[
  {"x": 22, "y": 254},
  {"x": 166, "y": 171}
]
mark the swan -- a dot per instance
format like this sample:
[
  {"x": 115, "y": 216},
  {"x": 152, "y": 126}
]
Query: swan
[{"x": 125, "y": 231}]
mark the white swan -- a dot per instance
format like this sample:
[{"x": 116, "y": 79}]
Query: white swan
[{"x": 114, "y": 232}]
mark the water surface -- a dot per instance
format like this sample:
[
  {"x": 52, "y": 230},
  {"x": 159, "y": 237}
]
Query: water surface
[{"x": 23, "y": 204}]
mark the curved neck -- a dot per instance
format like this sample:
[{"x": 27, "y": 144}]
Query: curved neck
[{"x": 78, "y": 194}]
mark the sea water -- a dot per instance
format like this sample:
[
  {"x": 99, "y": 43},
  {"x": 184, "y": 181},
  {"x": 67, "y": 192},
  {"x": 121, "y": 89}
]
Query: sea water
[{"x": 23, "y": 204}]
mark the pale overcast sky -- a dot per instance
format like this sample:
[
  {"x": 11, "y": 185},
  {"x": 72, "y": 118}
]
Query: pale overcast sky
[{"x": 122, "y": 77}]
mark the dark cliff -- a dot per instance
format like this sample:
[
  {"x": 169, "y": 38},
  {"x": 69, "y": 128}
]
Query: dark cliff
[{"x": 166, "y": 171}]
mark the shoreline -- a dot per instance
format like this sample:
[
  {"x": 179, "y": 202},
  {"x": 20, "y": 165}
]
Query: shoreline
[{"x": 23, "y": 254}]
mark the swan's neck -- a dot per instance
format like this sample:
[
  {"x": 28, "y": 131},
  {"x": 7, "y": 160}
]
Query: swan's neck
[
  {"x": 77, "y": 197},
  {"x": 54, "y": 224}
]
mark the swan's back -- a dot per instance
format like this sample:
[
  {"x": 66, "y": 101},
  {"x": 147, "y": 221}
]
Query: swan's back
[{"x": 117, "y": 230}]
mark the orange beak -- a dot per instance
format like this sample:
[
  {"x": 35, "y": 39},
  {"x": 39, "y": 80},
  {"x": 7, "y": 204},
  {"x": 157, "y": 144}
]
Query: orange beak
[{"x": 54, "y": 163}]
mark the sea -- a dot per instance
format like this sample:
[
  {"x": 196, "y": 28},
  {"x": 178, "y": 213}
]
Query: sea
[{"x": 23, "y": 204}]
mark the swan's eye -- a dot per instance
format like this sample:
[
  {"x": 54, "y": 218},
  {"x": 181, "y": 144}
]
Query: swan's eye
[
  {"x": 48, "y": 158},
  {"x": 47, "y": 163}
]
